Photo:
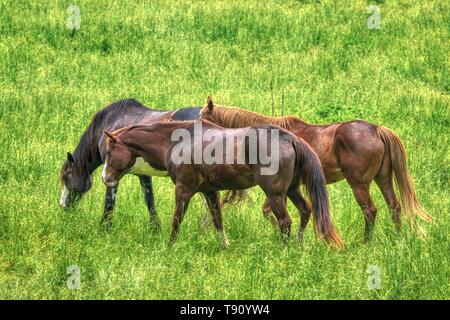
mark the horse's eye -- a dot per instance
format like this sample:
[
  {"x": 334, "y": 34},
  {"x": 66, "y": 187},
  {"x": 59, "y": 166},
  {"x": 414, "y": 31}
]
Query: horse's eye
[{"x": 66, "y": 177}]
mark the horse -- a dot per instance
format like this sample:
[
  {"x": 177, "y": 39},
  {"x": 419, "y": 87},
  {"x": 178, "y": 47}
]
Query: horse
[
  {"x": 156, "y": 145},
  {"x": 76, "y": 172},
  {"x": 356, "y": 151}
]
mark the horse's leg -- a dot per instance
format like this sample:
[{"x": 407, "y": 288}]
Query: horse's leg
[
  {"x": 303, "y": 207},
  {"x": 213, "y": 202},
  {"x": 147, "y": 189},
  {"x": 362, "y": 195},
  {"x": 183, "y": 196},
  {"x": 384, "y": 182},
  {"x": 206, "y": 219},
  {"x": 110, "y": 201},
  {"x": 359, "y": 152},
  {"x": 267, "y": 212},
  {"x": 277, "y": 203}
]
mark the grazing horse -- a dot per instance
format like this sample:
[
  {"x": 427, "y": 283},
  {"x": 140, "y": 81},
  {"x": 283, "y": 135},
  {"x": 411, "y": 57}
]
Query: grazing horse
[
  {"x": 357, "y": 151},
  {"x": 155, "y": 144},
  {"x": 76, "y": 172}
]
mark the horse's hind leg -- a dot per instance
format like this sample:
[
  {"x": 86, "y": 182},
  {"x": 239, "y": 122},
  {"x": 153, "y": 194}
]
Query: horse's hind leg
[
  {"x": 362, "y": 195},
  {"x": 277, "y": 203},
  {"x": 110, "y": 201},
  {"x": 384, "y": 182},
  {"x": 303, "y": 207},
  {"x": 207, "y": 218},
  {"x": 267, "y": 212},
  {"x": 213, "y": 201},
  {"x": 147, "y": 189}
]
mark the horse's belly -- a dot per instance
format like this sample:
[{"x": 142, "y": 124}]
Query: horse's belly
[
  {"x": 142, "y": 168},
  {"x": 228, "y": 177},
  {"x": 333, "y": 175}
]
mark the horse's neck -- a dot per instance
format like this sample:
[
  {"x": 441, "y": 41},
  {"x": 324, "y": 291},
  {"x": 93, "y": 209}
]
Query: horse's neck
[
  {"x": 87, "y": 164},
  {"x": 87, "y": 157},
  {"x": 155, "y": 152}
]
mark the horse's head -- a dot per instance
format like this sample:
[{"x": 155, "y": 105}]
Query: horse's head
[
  {"x": 75, "y": 180},
  {"x": 118, "y": 159},
  {"x": 207, "y": 112}
]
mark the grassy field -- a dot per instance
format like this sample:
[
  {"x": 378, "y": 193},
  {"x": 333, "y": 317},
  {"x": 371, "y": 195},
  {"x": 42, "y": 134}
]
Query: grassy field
[{"x": 331, "y": 67}]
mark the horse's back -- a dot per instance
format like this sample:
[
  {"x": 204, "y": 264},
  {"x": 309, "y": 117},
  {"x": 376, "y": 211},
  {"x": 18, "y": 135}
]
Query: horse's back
[
  {"x": 359, "y": 134},
  {"x": 188, "y": 113}
]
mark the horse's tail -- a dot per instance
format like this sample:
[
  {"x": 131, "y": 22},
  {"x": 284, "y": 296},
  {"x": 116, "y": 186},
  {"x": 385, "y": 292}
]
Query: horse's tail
[
  {"x": 311, "y": 175},
  {"x": 232, "y": 197},
  {"x": 408, "y": 197}
]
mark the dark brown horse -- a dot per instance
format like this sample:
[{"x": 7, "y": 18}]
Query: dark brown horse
[
  {"x": 77, "y": 170},
  {"x": 357, "y": 151},
  {"x": 191, "y": 169}
]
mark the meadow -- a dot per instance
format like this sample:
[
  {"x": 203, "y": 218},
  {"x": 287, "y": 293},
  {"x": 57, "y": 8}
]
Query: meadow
[{"x": 331, "y": 66}]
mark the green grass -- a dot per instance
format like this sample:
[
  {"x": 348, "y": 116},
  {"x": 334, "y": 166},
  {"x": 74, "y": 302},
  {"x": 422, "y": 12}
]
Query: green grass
[{"x": 331, "y": 68}]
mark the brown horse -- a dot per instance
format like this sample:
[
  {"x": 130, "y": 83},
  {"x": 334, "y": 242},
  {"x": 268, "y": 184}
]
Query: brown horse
[
  {"x": 192, "y": 170},
  {"x": 357, "y": 151}
]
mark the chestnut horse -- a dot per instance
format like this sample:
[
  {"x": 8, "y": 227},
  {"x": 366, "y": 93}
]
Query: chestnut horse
[
  {"x": 356, "y": 151},
  {"x": 154, "y": 144}
]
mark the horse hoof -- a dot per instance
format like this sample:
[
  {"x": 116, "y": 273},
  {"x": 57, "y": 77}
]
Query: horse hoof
[
  {"x": 225, "y": 244},
  {"x": 155, "y": 226},
  {"x": 105, "y": 227},
  {"x": 171, "y": 242}
]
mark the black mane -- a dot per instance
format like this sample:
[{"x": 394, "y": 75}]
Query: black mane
[
  {"x": 116, "y": 115},
  {"x": 86, "y": 154}
]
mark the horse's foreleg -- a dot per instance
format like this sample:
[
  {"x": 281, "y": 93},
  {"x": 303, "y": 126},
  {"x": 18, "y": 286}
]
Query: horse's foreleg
[
  {"x": 110, "y": 201},
  {"x": 182, "y": 196},
  {"x": 147, "y": 189},
  {"x": 213, "y": 202}
]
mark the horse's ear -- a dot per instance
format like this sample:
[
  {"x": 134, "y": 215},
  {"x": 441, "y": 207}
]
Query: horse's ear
[
  {"x": 210, "y": 105},
  {"x": 70, "y": 158},
  {"x": 111, "y": 136}
]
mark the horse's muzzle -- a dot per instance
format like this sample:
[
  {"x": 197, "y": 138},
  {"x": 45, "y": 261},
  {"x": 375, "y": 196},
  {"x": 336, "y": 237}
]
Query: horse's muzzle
[
  {"x": 69, "y": 199},
  {"x": 109, "y": 182}
]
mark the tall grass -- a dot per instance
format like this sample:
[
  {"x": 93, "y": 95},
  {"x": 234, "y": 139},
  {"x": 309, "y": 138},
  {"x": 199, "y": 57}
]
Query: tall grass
[{"x": 172, "y": 54}]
